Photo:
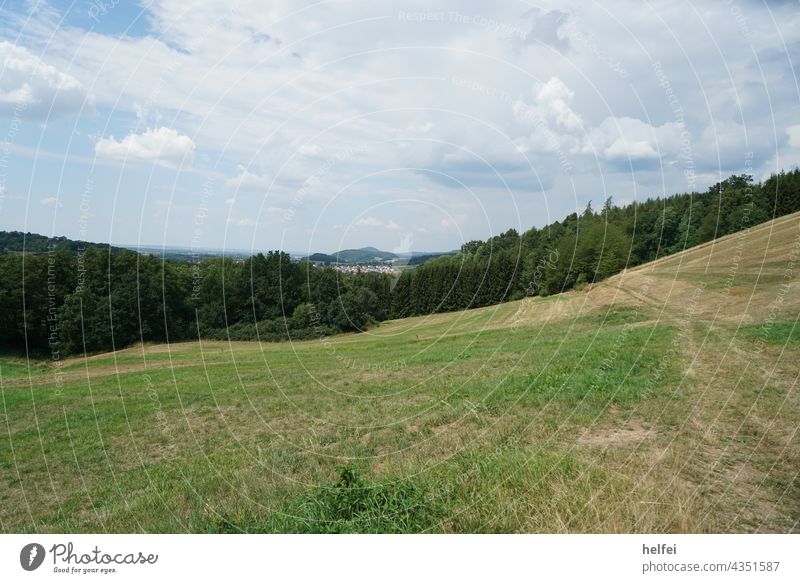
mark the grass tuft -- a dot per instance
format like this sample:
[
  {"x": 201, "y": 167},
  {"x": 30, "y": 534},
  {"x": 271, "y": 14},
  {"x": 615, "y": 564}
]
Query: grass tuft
[{"x": 353, "y": 505}]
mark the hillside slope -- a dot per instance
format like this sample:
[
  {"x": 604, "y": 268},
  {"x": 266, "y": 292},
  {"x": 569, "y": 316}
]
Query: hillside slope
[
  {"x": 739, "y": 276},
  {"x": 662, "y": 399}
]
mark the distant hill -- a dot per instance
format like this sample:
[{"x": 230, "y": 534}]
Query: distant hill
[
  {"x": 375, "y": 255},
  {"x": 189, "y": 254},
  {"x": 17, "y": 242},
  {"x": 321, "y": 258},
  {"x": 363, "y": 255}
]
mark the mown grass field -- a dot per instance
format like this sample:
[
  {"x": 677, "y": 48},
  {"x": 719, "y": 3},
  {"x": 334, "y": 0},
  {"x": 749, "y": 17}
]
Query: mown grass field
[{"x": 664, "y": 399}]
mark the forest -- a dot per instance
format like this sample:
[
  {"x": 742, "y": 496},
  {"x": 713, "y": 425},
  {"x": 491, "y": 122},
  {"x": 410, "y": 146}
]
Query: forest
[{"x": 60, "y": 297}]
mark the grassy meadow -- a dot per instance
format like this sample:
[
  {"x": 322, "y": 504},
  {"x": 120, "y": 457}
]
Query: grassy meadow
[{"x": 664, "y": 399}]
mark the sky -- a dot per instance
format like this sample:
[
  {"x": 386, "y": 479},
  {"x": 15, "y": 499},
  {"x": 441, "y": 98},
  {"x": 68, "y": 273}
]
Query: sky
[{"x": 405, "y": 125}]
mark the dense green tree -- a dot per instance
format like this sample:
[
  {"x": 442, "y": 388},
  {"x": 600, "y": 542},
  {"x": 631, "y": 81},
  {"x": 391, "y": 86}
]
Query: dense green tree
[{"x": 591, "y": 246}]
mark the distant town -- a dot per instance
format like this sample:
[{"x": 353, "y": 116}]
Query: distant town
[{"x": 352, "y": 269}]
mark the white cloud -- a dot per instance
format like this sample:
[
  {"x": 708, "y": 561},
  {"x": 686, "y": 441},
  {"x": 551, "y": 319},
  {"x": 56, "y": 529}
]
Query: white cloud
[
  {"x": 32, "y": 89},
  {"x": 554, "y": 97},
  {"x": 369, "y": 222},
  {"x": 246, "y": 180},
  {"x": 630, "y": 139},
  {"x": 794, "y": 136},
  {"x": 558, "y": 129},
  {"x": 374, "y": 96},
  {"x": 550, "y": 108},
  {"x": 164, "y": 146},
  {"x": 49, "y": 201},
  {"x": 622, "y": 149}
]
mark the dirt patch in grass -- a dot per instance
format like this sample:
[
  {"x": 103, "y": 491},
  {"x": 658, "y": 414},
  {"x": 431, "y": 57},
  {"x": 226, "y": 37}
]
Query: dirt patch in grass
[{"x": 632, "y": 433}]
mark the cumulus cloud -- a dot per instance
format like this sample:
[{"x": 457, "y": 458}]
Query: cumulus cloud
[
  {"x": 32, "y": 89},
  {"x": 621, "y": 149},
  {"x": 556, "y": 128},
  {"x": 550, "y": 119},
  {"x": 552, "y": 102},
  {"x": 164, "y": 146},
  {"x": 373, "y": 96},
  {"x": 629, "y": 139},
  {"x": 49, "y": 201}
]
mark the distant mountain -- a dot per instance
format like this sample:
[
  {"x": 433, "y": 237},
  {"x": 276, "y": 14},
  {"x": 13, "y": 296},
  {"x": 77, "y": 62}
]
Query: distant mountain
[
  {"x": 375, "y": 255},
  {"x": 363, "y": 255},
  {"x": 15, "y": 241}
]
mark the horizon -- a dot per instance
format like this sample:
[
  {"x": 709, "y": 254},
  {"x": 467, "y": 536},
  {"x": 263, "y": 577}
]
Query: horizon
[
  {"x": 306, "y": 253},
  {"x": 137, "y": 246}
]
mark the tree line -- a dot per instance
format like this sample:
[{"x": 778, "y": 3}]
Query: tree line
[
  {"x": 58, "y": 302},
  {"x": 61, "y": 298},
  {"x": 590, "y": 246}
]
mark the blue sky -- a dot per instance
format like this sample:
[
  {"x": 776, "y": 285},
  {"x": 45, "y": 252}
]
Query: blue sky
[{"x": 326, "y": 125}]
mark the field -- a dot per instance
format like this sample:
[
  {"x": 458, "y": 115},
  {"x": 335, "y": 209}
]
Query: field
[{"x": 663, "y": 399}]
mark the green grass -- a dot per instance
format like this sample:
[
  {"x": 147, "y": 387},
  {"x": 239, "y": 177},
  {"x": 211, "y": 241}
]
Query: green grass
[
  {"x": 773, "y": 332},
  {"x": 14, "y": 367},
  {"x": 218, "y": 437},
  {"x": 465, "y": 422}
]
